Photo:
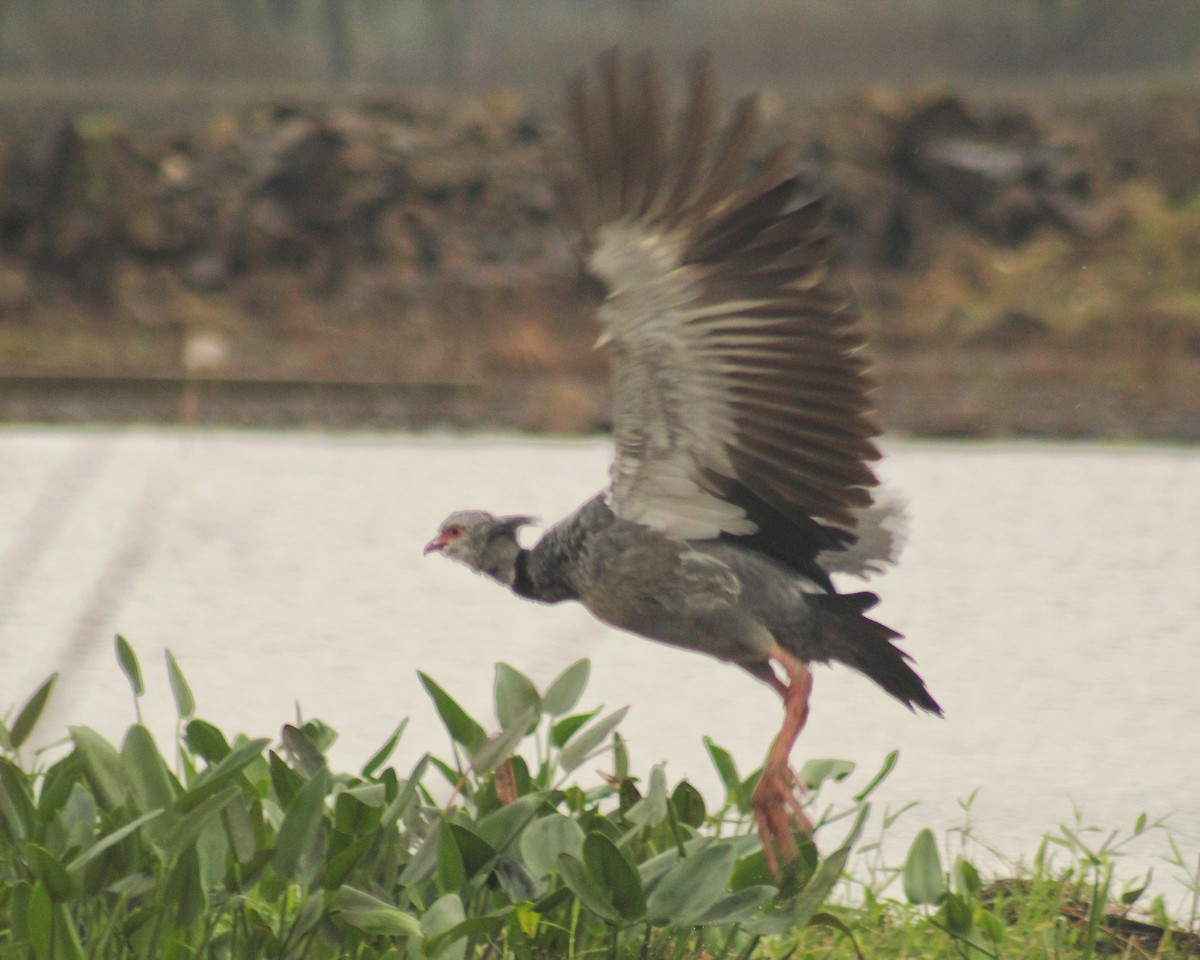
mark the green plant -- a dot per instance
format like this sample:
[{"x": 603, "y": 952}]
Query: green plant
[{"x": 242, "y": 848}]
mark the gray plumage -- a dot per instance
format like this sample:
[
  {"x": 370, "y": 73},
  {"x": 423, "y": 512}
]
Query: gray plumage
[{"x": 741, "y": 411}]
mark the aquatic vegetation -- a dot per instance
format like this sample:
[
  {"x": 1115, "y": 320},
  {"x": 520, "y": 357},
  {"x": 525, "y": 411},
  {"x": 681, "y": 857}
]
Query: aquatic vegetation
[{"x": 253, "y": 847}]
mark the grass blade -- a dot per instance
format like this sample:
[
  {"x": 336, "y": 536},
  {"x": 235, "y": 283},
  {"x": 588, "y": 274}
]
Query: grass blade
[
  {"x": 185, "y": 703},
  {"x": 32, "y": 711}
]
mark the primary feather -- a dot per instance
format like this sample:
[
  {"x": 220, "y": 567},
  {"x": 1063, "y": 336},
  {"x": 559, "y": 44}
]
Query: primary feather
[{"x": 738, "y": 394}]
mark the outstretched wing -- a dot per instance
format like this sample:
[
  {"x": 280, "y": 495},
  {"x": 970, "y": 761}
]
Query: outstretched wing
[{"x": 740, "y": 404}]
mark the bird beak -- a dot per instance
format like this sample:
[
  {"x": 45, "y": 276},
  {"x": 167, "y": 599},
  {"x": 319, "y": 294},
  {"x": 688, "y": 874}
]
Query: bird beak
[{"x": 436, "y": 545}]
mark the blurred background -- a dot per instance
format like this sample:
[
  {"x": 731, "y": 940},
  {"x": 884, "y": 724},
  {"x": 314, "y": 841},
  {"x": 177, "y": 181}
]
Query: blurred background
[{"x": 336, "y": 211}]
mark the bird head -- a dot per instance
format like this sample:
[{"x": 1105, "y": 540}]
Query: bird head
[{"x": 485, "y": 543}]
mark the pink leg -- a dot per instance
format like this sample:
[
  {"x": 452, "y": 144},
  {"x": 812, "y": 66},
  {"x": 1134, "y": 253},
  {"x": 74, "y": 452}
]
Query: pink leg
[{"x": 774, "y": 800}]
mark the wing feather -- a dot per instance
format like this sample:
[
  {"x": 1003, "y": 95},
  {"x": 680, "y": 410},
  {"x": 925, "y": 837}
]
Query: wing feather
[{"x": 740, "y": 396}]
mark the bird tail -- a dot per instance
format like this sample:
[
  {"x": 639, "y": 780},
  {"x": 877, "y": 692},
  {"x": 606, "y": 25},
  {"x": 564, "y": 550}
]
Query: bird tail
[{"x": 866, "y": 645}]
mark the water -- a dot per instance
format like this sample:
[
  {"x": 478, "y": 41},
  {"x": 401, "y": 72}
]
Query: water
[{"x": 1050, "y": 595}]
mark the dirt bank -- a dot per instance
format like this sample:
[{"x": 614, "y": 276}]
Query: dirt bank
[{"x": 1026, "y": 267}]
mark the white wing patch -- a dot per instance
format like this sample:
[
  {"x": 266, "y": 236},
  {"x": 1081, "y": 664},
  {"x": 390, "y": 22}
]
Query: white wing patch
[{"x": 670, "y": 404}]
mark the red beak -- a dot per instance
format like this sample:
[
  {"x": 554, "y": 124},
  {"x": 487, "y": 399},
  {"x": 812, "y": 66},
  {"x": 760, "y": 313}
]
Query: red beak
[{"x": 436, "y": 545}]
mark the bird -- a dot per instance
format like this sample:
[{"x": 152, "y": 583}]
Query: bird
[{"x": 742, "y": 416}]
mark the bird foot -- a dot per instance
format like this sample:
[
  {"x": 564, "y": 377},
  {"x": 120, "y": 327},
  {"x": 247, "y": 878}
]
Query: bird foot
[{"x": 776, "y": 809}]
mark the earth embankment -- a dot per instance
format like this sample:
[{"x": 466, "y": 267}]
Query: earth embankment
[{"x": 1025, "y": 266}]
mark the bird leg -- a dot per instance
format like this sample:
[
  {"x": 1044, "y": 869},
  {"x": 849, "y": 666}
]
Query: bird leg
[{"x": 774, "y": 799}]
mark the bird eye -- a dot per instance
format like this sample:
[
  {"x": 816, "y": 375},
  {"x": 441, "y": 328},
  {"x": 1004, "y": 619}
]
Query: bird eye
[{"x": 452, "y": 531}]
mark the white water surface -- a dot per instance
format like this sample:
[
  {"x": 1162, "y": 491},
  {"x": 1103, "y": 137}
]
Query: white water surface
[{"x": 1049, "y": 593}]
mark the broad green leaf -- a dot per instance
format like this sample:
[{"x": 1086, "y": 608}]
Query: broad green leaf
[
  {"x": 185, "y": 703},
  {"x": 476, "y": 852},
  {"x": 565, "y": 690},
  {"x": 103, "y": 766},
  {"x": 461, "y": 727},
  {"x": 991, "y": 925},
  {"x": 380, "y": 756},
  {"x": 516, "y": 697},
  {"x": 187, "y": 827},
  {"x": 79, "y": 815},
  {"x": 495, "y": 750},
  {"x": 727, "y": 771},
  {"x": 341, "y": 865},
  {"x": 16, "y": 802},
  {"x": 129, "y": 665},
  {"x": 692, "y": 886},
  {"x": 110, "y": 840},
  {"x": 652, "y": 808},
  {"x": 206, "y": 741},
  {"x": 579, "y": 747},
  {"x": 371, "y": 915},
  {"x": 214, "y": 778},
  {"x": 152, "y": 784},
  {"x": 300, "y": 830},
  {"x": 810, "y": 900},
  {"x": 451, "y": 872},
  {"x": 50, "y": 873},
  {"x": 285, "y": 781},
  {"x": 616, "y": 875},
  {"x": 304, "y": 753},
  {"x": 445, "y": 914},
  {"x": 566, "y": 728},
  {"x": 966, "y": 878},
  {"x": 19, "y": 893},
  {"x": 816, "y": 772},
  {"x": 751, "y": 871},
  {"x": 40, "y": 920},
  {"x": 688, "y": 804},
  {"x": 957, "y": 914},
  {"x": 357, "y": 810},
  {"x": 544, "y": 839},
  {"x": 924, "y": 882},
  {"x": 30, "y": 713},
  {"x": 736, "y": 907},
  {"x": 653, "y": 869},
  {"x": 408, "y": 793},
  {"x": 499, "y": 827},
  {"x": 587, "y": 891},
  {"x": 57, "y": 784},
  {"x": 830, "y": 871},
  {"x": 185, "y": 890},
  {"x": 240, "y": 819}
]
